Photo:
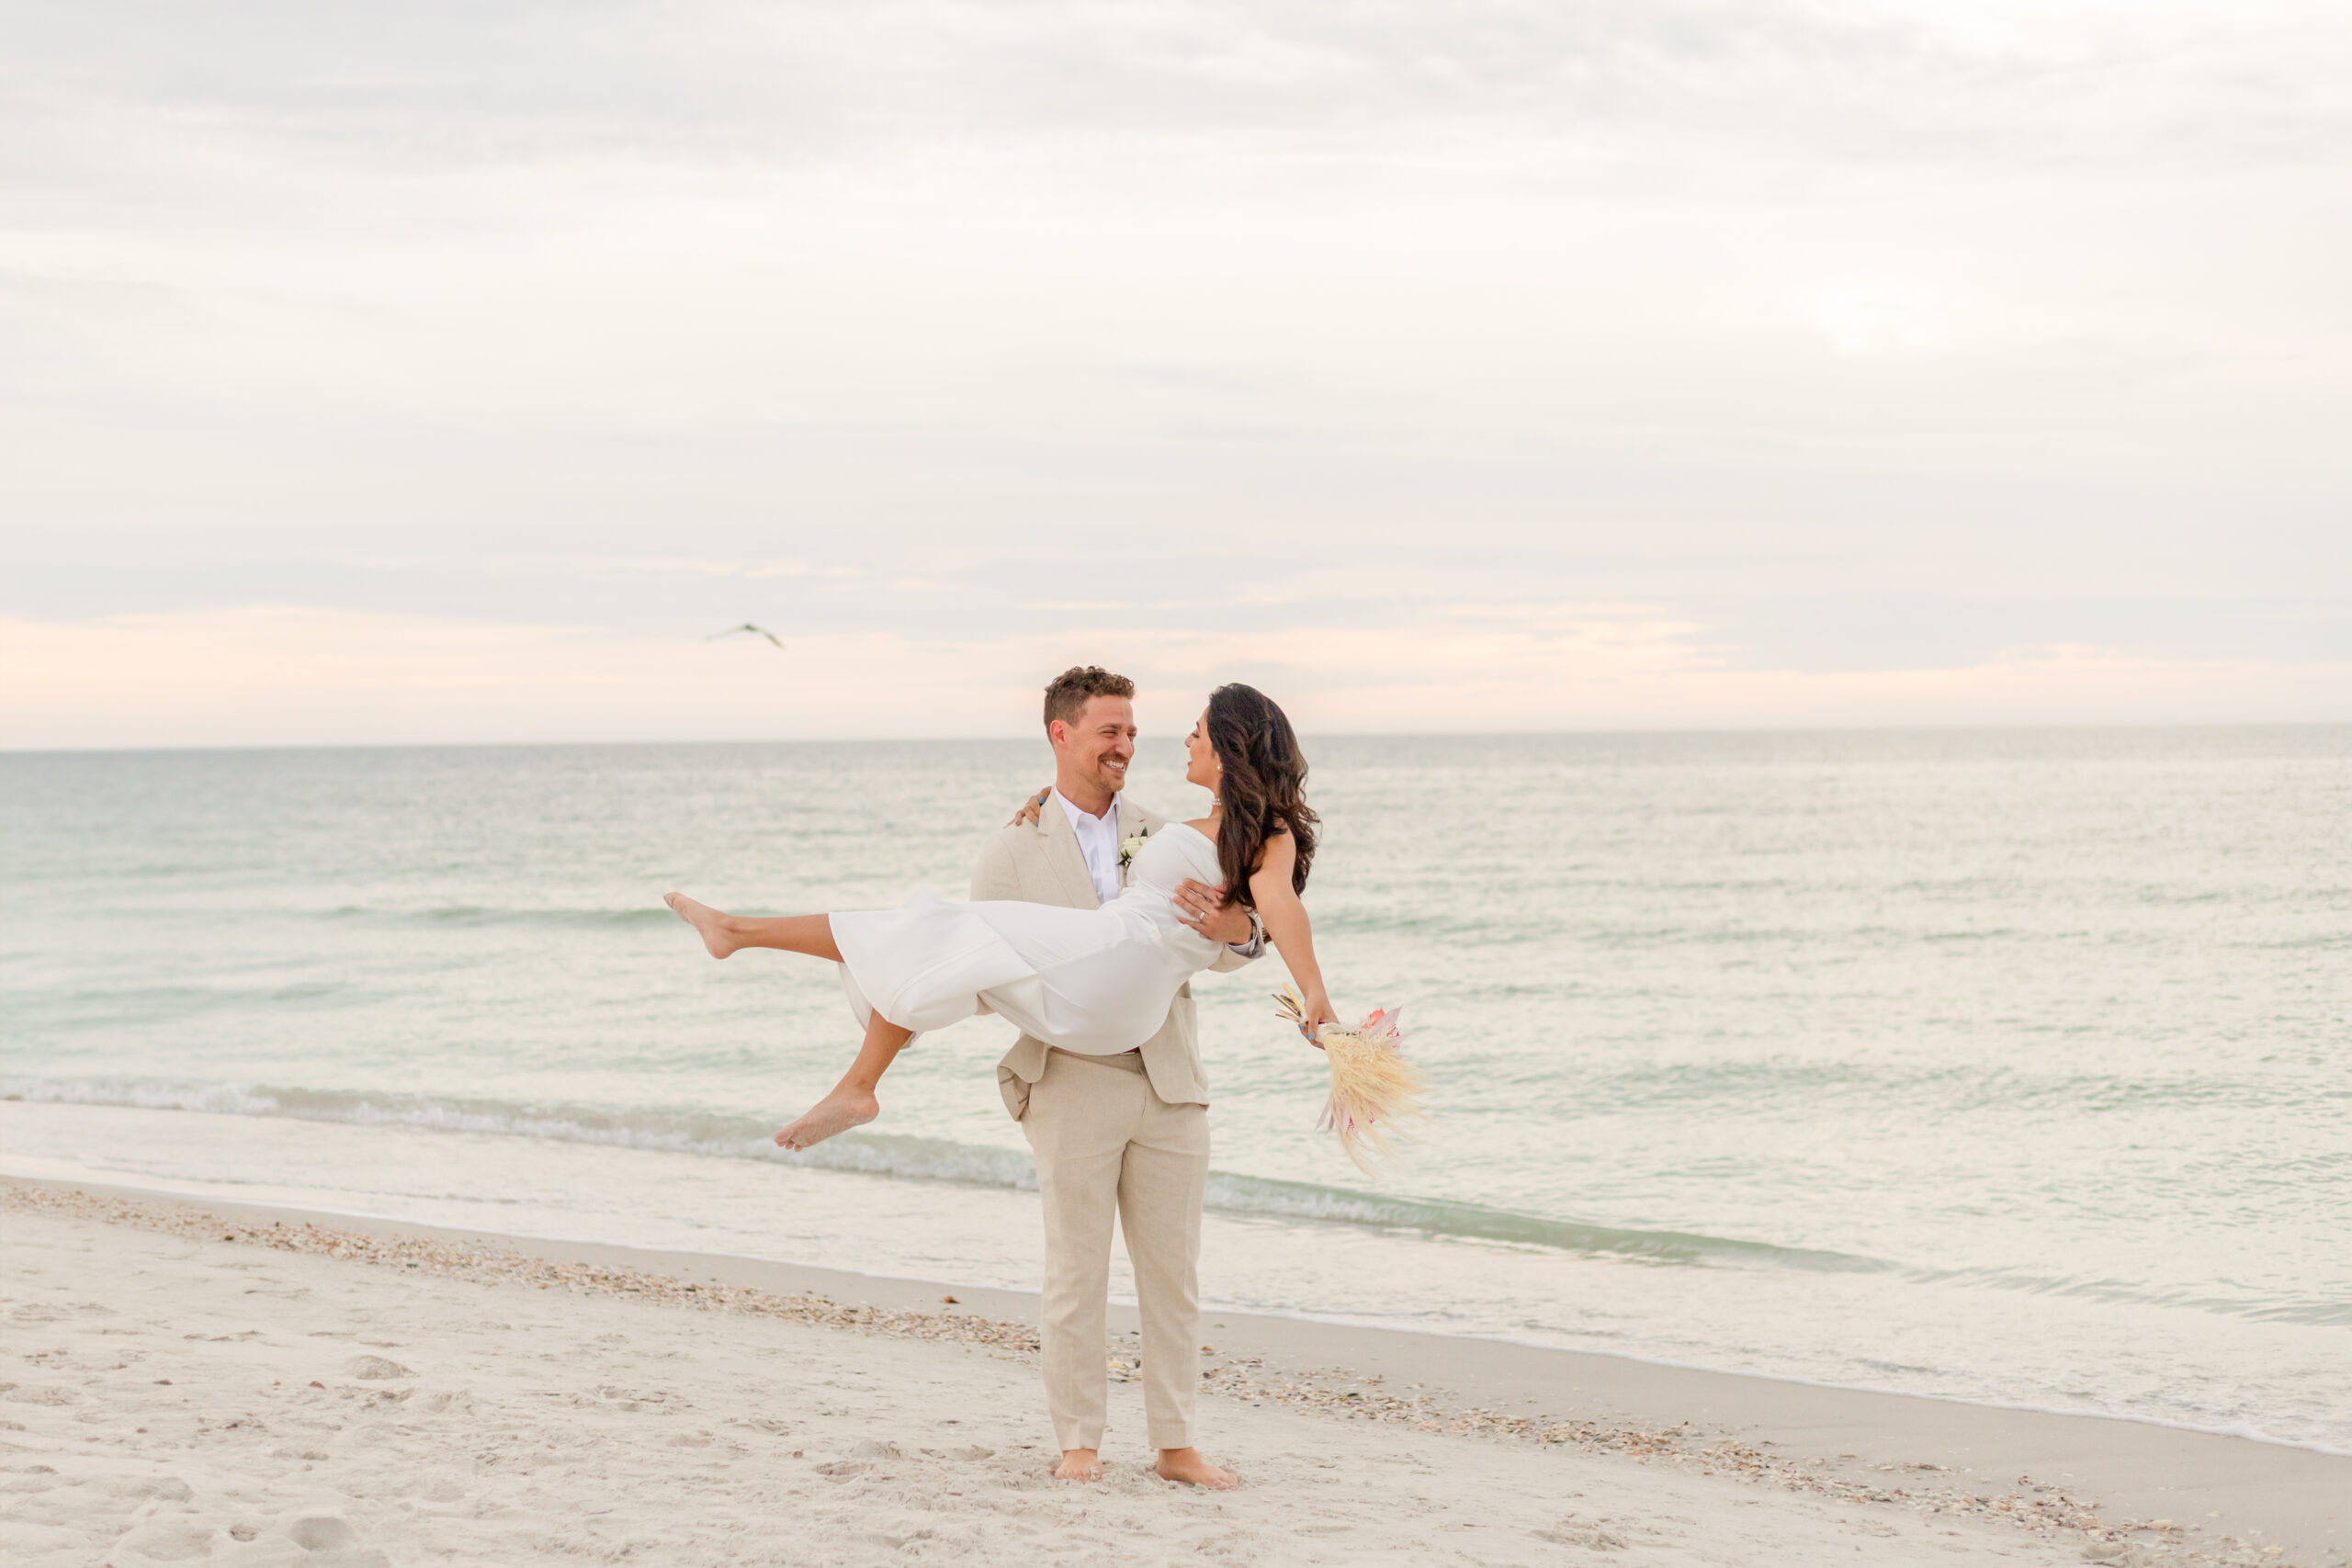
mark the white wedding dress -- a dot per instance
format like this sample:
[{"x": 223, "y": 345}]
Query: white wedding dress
[{"x": 1094, "y": 981}]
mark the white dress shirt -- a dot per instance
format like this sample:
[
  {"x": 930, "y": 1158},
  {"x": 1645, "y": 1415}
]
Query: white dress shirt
[{"x": 1098, "y": 841}]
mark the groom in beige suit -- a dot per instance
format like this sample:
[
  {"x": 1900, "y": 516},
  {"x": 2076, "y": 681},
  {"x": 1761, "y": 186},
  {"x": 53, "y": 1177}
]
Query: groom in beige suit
[{"x": 1126, "y": 1135}]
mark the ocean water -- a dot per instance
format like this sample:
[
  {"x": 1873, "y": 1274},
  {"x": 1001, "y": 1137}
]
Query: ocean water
[{"x": 2007, "y": 1066}]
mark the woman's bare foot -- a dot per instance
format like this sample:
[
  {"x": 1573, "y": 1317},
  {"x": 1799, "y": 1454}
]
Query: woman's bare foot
[
  {"x": 1188, "y": 1466},
  {"x": 837, "y": 1112},
  {"x": 706, "y": 920},
  {"x": 1079, "y": 1464}
]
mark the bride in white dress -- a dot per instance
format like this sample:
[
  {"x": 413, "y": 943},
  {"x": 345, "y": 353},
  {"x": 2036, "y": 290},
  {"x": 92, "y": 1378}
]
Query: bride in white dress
[{"x": 1095, "y": 982}]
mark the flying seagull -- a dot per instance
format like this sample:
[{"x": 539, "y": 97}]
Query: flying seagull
[{"x": 747, "y": 627}]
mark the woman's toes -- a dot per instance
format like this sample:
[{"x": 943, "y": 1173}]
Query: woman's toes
[{"x": 709, "y": 922}]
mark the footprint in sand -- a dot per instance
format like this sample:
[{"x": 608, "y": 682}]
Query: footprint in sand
[
  {"x": 168, "y": 1542},
  {"x": 16, "y": 1395},
  {"x": 139, "y": 1488},
  {"x": 1573, "y": 1531},
  {"x": 325, "y": 1540},
  {"x": 321, "y": 1533},
  {"x": 375, "y": 1368}
]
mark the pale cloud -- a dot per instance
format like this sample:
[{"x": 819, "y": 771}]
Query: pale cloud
[
  {"x": 277, "y": 675},
  {"x": 1619, "y": 361}
]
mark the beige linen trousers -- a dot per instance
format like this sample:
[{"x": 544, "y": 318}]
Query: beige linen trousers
[{"x": 1122, "y": 1137}]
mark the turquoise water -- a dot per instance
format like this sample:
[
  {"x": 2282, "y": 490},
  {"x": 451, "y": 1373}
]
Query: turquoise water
[{"x": 1998, "y": 1065}]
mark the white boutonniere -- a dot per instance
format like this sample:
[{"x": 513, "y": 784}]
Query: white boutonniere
[{"x": 1130, "y": 846}]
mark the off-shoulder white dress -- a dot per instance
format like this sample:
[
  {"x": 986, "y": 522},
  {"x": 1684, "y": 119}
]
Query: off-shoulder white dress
[{"x": 1094, "y": 981}]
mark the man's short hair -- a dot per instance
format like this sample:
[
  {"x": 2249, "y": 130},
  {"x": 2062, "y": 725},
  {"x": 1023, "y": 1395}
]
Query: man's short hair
[{"x": 1067, "y": 697}]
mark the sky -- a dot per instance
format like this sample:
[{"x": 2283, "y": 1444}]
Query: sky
[{"x": 449, "y": 372}]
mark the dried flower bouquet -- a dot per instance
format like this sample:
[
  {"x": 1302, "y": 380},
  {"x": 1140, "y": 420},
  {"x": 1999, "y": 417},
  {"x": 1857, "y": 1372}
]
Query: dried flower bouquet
[{"x": 1373, "y": 1086}]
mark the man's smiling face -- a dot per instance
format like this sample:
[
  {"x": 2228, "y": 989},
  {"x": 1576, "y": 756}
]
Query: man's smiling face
[{"x": 1096, "y": 749}]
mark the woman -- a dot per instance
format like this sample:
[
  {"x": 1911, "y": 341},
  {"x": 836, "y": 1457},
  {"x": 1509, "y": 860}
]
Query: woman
[{"x": 1096, "y": 982}]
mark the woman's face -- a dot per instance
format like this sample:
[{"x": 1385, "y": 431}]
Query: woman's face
[{"x": 1202, "y": 768}]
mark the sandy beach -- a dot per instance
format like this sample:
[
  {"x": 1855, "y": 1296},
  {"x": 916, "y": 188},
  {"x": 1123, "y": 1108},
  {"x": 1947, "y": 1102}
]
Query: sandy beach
[{"x": 205, "y": 1381}]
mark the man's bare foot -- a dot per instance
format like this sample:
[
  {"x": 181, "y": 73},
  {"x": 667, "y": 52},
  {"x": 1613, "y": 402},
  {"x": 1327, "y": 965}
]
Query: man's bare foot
[
  {"x": 1079, "y": 1464},
  {"x": 837, "y": 1112},
  {"x": 1188, "y": 1466},
  {"x": 706, "y": 920}
]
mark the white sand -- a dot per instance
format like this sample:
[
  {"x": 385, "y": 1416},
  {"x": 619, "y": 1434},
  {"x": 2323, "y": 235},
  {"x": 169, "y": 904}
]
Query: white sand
[{"x": 170, "y": 1397}]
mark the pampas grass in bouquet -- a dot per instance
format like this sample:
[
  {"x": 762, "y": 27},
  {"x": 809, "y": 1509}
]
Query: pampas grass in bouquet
[{"x": 1373, "y": 1087}]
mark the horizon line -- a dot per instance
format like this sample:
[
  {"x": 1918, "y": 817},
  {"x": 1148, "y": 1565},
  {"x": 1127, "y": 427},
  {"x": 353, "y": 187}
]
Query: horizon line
[{"x": 2019, "y": 728}]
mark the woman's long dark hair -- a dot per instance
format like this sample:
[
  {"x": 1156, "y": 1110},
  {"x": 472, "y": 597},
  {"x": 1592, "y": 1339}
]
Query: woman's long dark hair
[{"x": 1263, "y": 789}]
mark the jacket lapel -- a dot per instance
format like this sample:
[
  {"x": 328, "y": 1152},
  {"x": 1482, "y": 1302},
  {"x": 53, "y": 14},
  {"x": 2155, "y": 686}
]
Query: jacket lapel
[
  {"x": 1132, "y": 819},
  {"x": 1068, "y": 860}
]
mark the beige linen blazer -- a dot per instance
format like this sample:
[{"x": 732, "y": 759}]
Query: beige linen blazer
[{"x": 1043, "y": 865}]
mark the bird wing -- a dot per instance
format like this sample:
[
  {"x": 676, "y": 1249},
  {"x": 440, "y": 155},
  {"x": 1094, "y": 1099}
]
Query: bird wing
[{"x": 746, "y": 626}]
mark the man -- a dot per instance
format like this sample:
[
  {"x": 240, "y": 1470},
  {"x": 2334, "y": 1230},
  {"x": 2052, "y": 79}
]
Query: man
[{"x": 1125, "y": 1135}]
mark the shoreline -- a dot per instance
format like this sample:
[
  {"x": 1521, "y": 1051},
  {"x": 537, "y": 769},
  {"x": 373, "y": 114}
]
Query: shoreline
[
  {"x": 356, "y": 1219},
  {"x": 2220, "y": 1494},
  {"x": 2005, "y": 1348}
]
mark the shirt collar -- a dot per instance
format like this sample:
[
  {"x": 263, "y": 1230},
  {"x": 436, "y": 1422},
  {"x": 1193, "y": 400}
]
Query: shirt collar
[{"x": 1083, "y": 821}]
